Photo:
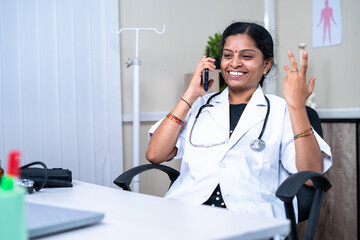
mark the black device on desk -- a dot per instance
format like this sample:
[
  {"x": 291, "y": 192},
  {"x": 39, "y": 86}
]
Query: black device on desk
[
  {"x": 37, "y": 178},
  {"x": 206, "y": 75}
]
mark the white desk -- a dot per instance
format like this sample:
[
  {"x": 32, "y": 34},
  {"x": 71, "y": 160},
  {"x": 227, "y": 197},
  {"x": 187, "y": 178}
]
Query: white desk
[{"x": 131, "y": 215}]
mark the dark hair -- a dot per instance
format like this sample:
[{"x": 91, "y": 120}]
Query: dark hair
[{"x": 259, "y": 34}]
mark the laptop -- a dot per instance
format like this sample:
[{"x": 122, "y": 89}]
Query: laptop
[{"x": 45, "y": 220}]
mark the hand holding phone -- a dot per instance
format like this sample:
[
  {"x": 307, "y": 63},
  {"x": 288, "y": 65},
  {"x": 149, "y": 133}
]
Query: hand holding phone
[{"x": 206, "y": 77}]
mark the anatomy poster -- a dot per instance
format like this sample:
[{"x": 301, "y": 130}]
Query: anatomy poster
[{"x": 327, "y": 24}]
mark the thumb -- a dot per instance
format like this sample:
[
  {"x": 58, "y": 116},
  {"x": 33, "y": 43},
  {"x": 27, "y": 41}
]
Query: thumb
[
  {"x": 211, "y": 82},
  {"x": 311, "y": 85}
]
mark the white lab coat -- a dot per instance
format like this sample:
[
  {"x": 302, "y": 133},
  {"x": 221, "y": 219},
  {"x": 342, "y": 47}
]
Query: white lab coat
[{"x": 248, "y": 179}]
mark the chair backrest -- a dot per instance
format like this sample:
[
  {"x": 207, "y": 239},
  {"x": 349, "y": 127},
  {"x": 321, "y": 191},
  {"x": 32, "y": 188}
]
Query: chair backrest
[{"x": 314, "y": 120}]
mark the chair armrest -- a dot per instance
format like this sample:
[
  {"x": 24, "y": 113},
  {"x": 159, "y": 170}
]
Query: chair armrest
[
  {"x": 124, "y": 179},
  {"x": 309, "y": 199},
  {"x": 292, "y": 185}
]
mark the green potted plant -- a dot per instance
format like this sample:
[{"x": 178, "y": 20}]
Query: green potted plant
[
  {"x": 215, "y": 51},
  {"x": 214, "y": 46}
]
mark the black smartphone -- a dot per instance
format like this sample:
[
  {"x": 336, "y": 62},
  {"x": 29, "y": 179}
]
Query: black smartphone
[{"x": 206, "y": 75}]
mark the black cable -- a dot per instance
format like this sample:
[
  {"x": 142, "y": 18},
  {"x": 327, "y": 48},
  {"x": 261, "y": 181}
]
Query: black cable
[{"x": 37, "y": 188}]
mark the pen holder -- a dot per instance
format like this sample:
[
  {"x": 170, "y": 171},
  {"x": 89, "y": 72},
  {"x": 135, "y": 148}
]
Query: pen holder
[{"x": 12, "y": 210}]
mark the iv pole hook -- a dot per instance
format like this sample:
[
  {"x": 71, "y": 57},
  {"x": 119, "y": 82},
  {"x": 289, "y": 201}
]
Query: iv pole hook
[{"x": 139, "y": 29}]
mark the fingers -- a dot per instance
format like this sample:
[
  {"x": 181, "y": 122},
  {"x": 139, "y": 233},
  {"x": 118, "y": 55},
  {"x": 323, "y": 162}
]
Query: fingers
[
  {"x": 200, "y": 62},
  {"x": 196, "y": 83},
  {"x": 210, "y": 62},
  {"x": 304, "y": 63},
  {"x": 293, "y": 62},
  {"x": 311, "y": 85},
  {"x": 287, "y": 69},
  {"x": 296, "y": 88},
  {"x": 205, "y": 63}
]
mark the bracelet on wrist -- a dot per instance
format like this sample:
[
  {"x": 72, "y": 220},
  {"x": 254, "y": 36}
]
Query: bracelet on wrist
[
  {"x": 186, "y": 102},
  {"x": 175, "y": 119},
  {"x": 304, "y": 133}
]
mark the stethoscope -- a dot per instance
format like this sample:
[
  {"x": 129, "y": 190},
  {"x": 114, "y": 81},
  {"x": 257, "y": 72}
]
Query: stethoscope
[{"x": 256, "y": 144}]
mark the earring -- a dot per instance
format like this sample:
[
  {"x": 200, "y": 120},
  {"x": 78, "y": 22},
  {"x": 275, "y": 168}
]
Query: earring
[{"x": 265, "y": 73}]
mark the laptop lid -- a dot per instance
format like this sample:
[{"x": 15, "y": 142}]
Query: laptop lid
[{"x": 44, "y": 219}]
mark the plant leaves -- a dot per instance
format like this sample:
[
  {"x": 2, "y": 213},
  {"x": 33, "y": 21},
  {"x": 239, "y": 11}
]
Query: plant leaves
[{"x": 214, "y": 45}]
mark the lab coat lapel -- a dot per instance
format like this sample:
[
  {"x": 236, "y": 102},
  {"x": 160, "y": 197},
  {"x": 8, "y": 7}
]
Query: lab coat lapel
[
  {"x": 254, "y": 113},
  {"x": 220, "y": 112}
]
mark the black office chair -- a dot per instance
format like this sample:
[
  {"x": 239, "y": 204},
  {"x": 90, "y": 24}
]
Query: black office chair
[{"x": 309, "y": 198}]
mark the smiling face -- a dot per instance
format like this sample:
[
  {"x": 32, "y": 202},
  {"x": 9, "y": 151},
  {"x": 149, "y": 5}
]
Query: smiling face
[{"x": 242, "y": 63}]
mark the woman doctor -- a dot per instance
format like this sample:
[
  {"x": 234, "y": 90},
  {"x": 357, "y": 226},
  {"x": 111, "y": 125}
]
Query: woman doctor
[{"x": 221, "y": 164}]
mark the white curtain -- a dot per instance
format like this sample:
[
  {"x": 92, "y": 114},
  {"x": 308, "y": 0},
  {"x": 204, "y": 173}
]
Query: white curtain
[{"x": 60, "y": 85}]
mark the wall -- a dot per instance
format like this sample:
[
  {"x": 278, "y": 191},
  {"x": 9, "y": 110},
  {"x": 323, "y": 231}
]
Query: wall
[{"x": 337, "y": 84}]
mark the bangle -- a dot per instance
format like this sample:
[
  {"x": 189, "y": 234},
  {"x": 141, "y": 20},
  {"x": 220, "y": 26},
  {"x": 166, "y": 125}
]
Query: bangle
[
  {"x": 186, "y": 102},
  {"x": 304, "y": 133},
  {"x": 175, "y": 119}
]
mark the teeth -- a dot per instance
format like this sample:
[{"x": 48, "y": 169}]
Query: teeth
[{"x": 236, "y": 73}]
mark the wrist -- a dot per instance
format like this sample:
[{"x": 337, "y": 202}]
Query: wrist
[
  {"x": 296, "y": 108},
  {"x": 295, "y": 104},
  {"x": 297, "y": 112},
  {"x": 189, "y": 97}
]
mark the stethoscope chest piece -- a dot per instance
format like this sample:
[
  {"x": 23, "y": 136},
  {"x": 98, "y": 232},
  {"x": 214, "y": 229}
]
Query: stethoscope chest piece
[{"x": 257, "y": 145}]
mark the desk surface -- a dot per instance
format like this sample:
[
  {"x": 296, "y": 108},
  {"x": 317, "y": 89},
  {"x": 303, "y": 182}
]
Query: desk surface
[{"x": 131, "y": 215}]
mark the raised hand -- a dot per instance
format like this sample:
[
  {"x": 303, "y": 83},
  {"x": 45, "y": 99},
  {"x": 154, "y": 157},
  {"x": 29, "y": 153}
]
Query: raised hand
[
  {"x": 296, "y": 87},
  {"x": 196, "y": 87}
]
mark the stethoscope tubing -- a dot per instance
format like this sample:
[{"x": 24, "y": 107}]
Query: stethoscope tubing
[
  {"x": 266, "y": 117},
  {"x": 207, "y": 104}
]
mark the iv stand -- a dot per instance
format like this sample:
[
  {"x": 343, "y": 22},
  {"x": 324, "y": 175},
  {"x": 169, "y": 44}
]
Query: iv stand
[{"x": 136, "y": 98}]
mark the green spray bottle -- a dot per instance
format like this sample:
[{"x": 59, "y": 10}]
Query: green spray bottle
[{"x": 12, "y": 202}]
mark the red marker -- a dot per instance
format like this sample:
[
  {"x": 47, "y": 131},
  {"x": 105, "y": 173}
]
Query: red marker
[{"x": 13, "y": 164}]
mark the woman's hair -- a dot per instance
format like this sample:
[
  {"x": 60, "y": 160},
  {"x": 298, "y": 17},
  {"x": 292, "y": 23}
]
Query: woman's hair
[{"x": 259, "y": 34}]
